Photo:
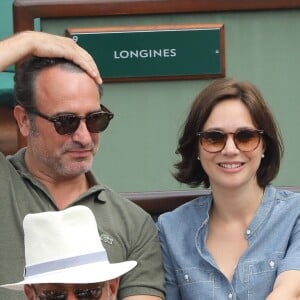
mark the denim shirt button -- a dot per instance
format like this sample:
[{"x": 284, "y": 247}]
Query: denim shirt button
[
  {"x": 186, "y": 277},
  {"x": 230, "y": 296},
  {"x": 272, "y": 264},
  {"x": 248, "y": 231}
]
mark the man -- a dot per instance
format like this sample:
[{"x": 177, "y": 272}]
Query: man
[
  {"x": 59, "y": 112},
  {"x": 65, "y": 258}
]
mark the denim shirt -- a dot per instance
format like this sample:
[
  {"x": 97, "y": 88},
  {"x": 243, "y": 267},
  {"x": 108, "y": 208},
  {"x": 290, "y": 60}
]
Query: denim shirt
[{"x": 273, "y": 247}]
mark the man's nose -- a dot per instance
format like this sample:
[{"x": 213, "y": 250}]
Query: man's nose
[{"x": 82, "y": 134}]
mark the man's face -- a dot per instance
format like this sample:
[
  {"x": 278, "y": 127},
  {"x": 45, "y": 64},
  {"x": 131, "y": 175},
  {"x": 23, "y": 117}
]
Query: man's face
[
  {"x": 59, "y": 92},
  {"x": 54, "y": 291}
]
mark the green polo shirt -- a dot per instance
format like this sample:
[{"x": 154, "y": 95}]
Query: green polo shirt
[{"x": 127, "y": 231}]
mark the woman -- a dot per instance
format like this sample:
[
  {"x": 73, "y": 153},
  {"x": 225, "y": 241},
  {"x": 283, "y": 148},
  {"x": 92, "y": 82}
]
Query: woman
[{"x": 243, "y": 240}]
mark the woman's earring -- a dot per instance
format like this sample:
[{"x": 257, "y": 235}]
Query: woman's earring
[
  {"x": 263, "y": 155},
  {"x": 198, "y": 157}
]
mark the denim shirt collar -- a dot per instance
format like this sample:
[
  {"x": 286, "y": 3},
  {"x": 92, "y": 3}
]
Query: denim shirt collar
[
  {"x": 261, "y": 214},
  {"x": 263, "y": 210}
]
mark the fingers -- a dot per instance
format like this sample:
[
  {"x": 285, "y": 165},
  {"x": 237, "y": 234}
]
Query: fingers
[
  {"x": 85, "y": 61},
  {"x": 49, "y": 45}
]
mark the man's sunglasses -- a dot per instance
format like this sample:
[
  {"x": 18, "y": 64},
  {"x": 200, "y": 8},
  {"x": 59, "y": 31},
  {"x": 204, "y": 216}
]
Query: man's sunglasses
[
  {"x": 80, "y": 294},
  {"x": 68, "y": 123},
  {"x": 214, "y": 141}
]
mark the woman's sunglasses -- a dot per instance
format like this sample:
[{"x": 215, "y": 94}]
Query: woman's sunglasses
[
  {"x": 80, "y": 294},
  {"x": 214, "y": 141},
  {"x": 68, "y": 123}
]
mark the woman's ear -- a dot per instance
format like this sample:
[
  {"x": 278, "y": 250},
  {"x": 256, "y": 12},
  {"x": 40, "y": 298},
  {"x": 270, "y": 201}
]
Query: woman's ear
[{"x": 22, "y": 119}]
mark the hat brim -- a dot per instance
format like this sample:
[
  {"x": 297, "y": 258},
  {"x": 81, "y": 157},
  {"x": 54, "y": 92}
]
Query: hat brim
[{"x": 89, "y": 273}]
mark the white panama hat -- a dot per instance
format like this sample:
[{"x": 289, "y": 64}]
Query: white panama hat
[{"x": 65, "y": 247}]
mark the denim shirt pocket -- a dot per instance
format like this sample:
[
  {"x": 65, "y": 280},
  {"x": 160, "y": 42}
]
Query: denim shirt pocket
[
  {"x": 260, "y": 274},
  {"x": 195, "y": 279}
]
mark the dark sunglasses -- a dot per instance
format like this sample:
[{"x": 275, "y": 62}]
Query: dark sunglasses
[
  {"x": 244, "y": 139},
  {"x": 80, "y": 294},
  {"x": 68, "y": 123}
]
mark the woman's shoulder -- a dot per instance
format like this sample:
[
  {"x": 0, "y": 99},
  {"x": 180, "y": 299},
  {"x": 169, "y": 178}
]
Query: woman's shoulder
[
  {"x": 283, "y": 196},
  {"x": 284, "y": 193},
  {"x": 196, "y": 208}
]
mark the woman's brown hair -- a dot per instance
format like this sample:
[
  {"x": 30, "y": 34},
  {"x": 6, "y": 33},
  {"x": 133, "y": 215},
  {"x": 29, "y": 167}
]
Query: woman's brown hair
[{"x": 189, "y": 169}]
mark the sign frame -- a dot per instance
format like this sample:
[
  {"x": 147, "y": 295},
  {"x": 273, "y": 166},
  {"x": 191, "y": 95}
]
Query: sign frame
[{"x": 185, "y": 28}]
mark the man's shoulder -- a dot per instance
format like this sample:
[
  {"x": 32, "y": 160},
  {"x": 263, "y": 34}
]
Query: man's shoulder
[
  {"x": 3, "y": 160},
  {"x": 119, "y": 203},
  {"x": 15, "y": 161},
  {"x": 6, "y": 164}
]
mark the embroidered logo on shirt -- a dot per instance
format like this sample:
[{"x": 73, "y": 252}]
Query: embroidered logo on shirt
[{"x": 105, "y": 238}]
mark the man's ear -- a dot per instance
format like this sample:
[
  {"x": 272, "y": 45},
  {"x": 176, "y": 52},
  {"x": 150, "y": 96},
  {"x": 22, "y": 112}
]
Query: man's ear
[
  {"x": 22, "y": 119},
  {"x": 113, "y": 286},
  {"x": 29, "y": 292}
]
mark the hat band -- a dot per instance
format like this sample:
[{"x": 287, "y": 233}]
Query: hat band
[{"x": 65, "y": 263}]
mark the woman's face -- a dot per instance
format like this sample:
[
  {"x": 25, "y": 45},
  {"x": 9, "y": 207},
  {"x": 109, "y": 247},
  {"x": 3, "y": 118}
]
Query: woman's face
[{"x": 230, "y": 167}]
